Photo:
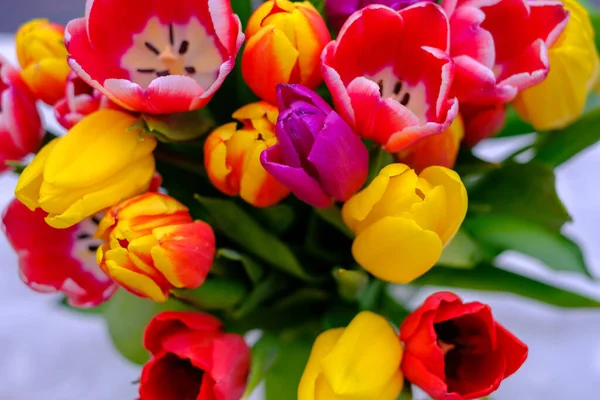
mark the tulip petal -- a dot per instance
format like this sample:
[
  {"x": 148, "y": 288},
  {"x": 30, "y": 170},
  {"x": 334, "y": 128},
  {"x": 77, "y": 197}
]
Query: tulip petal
[
  {"x": 456, "y": 199},
  {"x": 31, "y": 179},
  {"x": 304, "y": 186},
  {"x": 184, "y": 253},
  {"x": 321, "y": 347},
  {"x": 365, "y": 373},
  {"x": 361, "y": 204},
  {"x": 231, "y": 364},
  {"x": 134, "y": 282},
  {"x": 340, "y": 158},
  {"x": 514, "y": 350},
  {"x": 396, "y": 249}
]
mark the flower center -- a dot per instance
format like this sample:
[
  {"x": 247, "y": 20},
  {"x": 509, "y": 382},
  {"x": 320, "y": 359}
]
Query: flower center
[
  {"x": 173, "y": 49},
  {"x": 410, "y": 96}
]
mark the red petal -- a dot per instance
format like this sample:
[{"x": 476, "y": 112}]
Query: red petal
[
  {"x": 168, "y": 377},
  {"x": 231, "y": 364},
  {"x": 514, "y": 351}
]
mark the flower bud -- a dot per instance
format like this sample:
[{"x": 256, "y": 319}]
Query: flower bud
[
  {"x": 43, "y": 56},
  {"x": 21, "y": 129},
  {"x": 232, "y": 156},
  {"x": 433, "y": 150},
  {"x": 560, "y": 99},
  {"x": 318, "y": 156},
  {"x": 153, "y": 245},
  {"x": 361, "y": 361},
  {"x": 94, "y": 166},
  {"x": 402, "y": 221},
  {"x": 285, "y": 41}
]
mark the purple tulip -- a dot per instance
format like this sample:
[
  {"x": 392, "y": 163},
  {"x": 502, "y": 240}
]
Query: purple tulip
[
  {"x": 318, "y": 156},
  {"x": 338, "y": 11}
]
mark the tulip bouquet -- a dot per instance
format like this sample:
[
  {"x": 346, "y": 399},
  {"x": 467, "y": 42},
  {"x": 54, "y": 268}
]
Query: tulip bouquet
[{"x": 293, "y": 196}]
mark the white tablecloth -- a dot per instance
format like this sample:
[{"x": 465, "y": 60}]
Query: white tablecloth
[{"x": 49, "y": 353}]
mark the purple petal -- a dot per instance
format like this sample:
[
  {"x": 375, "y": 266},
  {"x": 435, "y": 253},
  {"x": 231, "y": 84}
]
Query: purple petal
[
  {"x": 287, "y": 94},
  {"x": 340, "y": 157},
  {"x": 292, "y": 131},
  {"x": 297, "y": 180}
]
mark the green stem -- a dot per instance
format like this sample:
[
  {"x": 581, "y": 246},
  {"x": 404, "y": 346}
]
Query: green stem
[{"x": 333, "y": 216}]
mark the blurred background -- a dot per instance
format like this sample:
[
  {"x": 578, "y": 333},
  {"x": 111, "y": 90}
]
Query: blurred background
[{"x": 51, "y": 353}]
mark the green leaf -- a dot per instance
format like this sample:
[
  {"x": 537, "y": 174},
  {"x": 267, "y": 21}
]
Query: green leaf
[
  {"x": 254, "y": 271},
  {"x": 178, "y": 127},
  {"x": 333, "y": 215},
  {"x": 127, "y": 317},
  {"x": 557, "y": 147},
  {"x": 214, "y": 294},
  {"x": 17, "y": 166},
  {"x": 509, "y": 233},
  {"x": 99, "y": 309},
  {"x": 461, "y": 252},
  {"x": 520, "y": 190},
  {"x": 243, "y": 9},
  {"x": 282, "y": 379},
  {"x": 493, "y": 279},
  {"x": 238, "y": 226},
  {"x": 278, "y": 218},
  {"x": 266, "y": 289},
  {"x": 264, "y": 354}
]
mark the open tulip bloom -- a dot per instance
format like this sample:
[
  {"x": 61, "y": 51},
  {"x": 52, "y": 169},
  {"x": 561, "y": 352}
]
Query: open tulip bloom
[{"x": 291, "y": 192}]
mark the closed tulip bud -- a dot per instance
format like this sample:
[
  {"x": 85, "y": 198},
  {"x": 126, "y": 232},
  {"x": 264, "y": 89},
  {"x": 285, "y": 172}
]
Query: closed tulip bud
[
  {"x": 285, "y": 41},
  {"x": 433, "y": 150},
  {"x": 560, "y": 99},
  {"x": 43, "y": 56},
  {"x": 232, "y": 156},
  {"x": 361, "y": 361},
  {"x": 94, "y": 166},
  {"x": 403, "y": 220},
  {"x": 318, "y": 157},
  {"x": 153, "y": 246}
]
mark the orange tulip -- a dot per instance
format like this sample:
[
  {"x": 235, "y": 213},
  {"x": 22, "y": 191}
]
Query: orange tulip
[
  {"x": 232, "y": 156},
  {"x": 284, "y": 45}
]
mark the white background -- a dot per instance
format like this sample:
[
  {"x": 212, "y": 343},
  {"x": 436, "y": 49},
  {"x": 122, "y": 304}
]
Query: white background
[{"x": 49, "y": 353}]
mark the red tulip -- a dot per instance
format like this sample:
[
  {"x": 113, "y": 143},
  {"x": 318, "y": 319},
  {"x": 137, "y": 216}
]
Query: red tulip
[
  {"x": 193, "y": 359},
  {"x": 456, "y": 351},
  {"x": 20, "y": 125},
  {"x": 57, "y": 260}
]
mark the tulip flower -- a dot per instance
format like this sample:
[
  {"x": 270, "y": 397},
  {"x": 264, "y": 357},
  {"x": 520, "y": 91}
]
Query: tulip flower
[
  {"x": 381, "y": 95},
  {"x": 155, "y": 57},
  {"x": 455, "y": 350},
  {"x": 493, "y": 63},
  {"x": 318, "y": 156},
  {"x": 94, "y": 166},
  {"x": 43, "y": 57},
  {"x": 361, "y": 361},
  {"x": 153, "y": 245},
  {"x": 573, "y": 58},
  {"x": 338, "y": 11},
  {"x": 402, "y": 221},
  {"x": 21, "y": 129},
  {"x": 285, "y": 41},
  {"x": 57, "y": 260},
  {"x": 193, "y": 359},
  {"x": 436, "y": 149},
  {"x": 232, "y": 156},
  {"x": 80, "y": 99}
]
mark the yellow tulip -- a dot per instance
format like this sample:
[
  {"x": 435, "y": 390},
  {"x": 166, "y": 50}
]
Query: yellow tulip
[
  {"x": 43, "y": 56},
  {"x": 560, "y": 99},
  {"x": 402, "y": 221},
  {"x": 97, "y": 164},
  {"x": 360, "y": 362}
]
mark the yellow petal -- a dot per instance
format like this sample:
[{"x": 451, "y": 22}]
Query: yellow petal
[
  {"x": 396, "y": 249},
  {"x": 456, "y": 199},
  {"x": 30, "y": 181},
  {"x": 359, "y": 206},
  {"x": 71, "y": 206},
  {"x": 365, "y": 358},
  {"x": 431, "y": 212},
  {"x": 135, "y": 282},
  {"x": 322, "y": 346},
  {"x": 96, "y": 149}
]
